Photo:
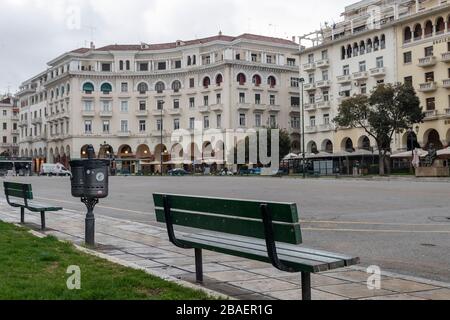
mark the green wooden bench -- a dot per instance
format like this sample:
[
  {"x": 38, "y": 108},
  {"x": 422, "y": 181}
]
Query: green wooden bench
[
  {"x": 257, "y": 230},
  {"x": 20, "y": 195}
]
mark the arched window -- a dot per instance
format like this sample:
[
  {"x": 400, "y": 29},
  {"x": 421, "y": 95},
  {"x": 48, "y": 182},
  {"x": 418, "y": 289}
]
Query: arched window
[
  {"x": 142, "y": 88},
  {"x": 418, "y": 32},
  {"x": 62, "y": 90},
  {"x": 57, "y": 92},
  {"x": 369, "y": 46},
  {"x": 256, "y": 80},
  {"x": 349, "y": 51},
  {"x": 106, "y": 88},
  {"x": 271, "y": 81},
  {"x": 206, "y": 82},
  {"x": 88, "y": 88},
  {"x": 68, "y": 88},
  {"x": 349, "y": 145},
  {"x": 189, "y": 61},
  {"x": 383, "y": 42},
  {"x": 160, "y": 87},
  {"x": 355, "y": 49},
  {"x": 241, "y": 79},
  {"x": 121, "y": 65},
  {"x": 376, "y": 44},
  {"x": 440, "y": 25},
  {"x": 128, "y": 65},
  {"x": 343, "y": 53},
  {"x": 428, "y": 28},
  {"x": 362, "y": 48},
  {"x": 219, "y": 80},
  {"x": 176, "y": 86},
  {"x": 407, "y": 35}
]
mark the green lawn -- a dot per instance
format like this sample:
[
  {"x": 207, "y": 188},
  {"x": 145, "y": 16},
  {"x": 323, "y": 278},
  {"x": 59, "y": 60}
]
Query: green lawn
[{"x": 33, "y": 268}]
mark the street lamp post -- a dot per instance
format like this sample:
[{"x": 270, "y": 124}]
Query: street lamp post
[
  {"x": 161, "y": 145},
  {"x": 302, "y": 81}
]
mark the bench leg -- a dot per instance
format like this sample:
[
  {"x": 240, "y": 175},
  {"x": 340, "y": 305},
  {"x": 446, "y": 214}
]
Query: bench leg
[
  {"x": 43, "y": 220},
  {"x": 199, "y": 265},
  {"x": 22, "y": 215},
  {"x": 306, "y": 286}
]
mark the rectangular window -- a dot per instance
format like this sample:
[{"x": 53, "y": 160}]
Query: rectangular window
[
  {"x": 311, "y": 58},
  {"x": 106, "y": 67},
  {"x": 254, "y": 57},
  {"x": 161, "y": 66},
  {"x": 219, "y": 121},
  {"x": 407, "y": 57},
  {"x": 143, "y": 66},
  {"x": 5, "y": 113},
  {"x": 269, "y": 59},
  {"x": 257, "y": 98},
  {"x": 429, "y": 77},
  {"x": 326, "y": 96},
  {"x": 159, "y": 104},
  {"x": 191, "y": 123},
  {"x": 124, "y": 106},
  {"x": 431, "y": 104},
  {"x": 272, "y": 100},
  {"x": 142, "y": 105},
  {"x": 325, "y": 75},
  {"x": 191, "y": 102},
  {"x": 326, "y": 119},
  {"x": 124, "y": 125},
  {"x": 205, "y": 122},
  {"x": 206, "y": 101},
  {"x": 176, "y": 124},
  {"x": 106, "y": 126},
  {"x": 311, "y": 78},
  {"x": 159, "y": 125},
  {"x": 429, "y": 51},
  {"x": 87, "y": 127},
  {"x": 295, "y": 122},
  {"x": 291, "y": 62},
  {"x": 362, "y": 66},
  {"x": 176, "y": 104},
  {"x": 218, "y": 98},
  {"x": 242, "y": 119},
  {"x": 312, "y": 121},
  {"x": 363, "y": 88},
  {"x": 295, "y": 82},
  {"x": 346, "y": 70},
  {"x": 312, "y": 98},
  {"x": 409, "y": 81},
  {"x": 5, "y": 126},
  {"x": 142, "y": 126},
  {"x": 324, "y": 54},
  {"x": 178, "y": 64},
  {"x": 273, "y": 121},
  {"x": 5, "y": 139},
  {"x": 88, "y": 106},
  {"x": 124, "y": 87},
  {"x": 191, "y": 83},
  {"x": 295, "y": 101},
  {"x": 380, "y": 62},
  {"x": 241, "y": 97}
]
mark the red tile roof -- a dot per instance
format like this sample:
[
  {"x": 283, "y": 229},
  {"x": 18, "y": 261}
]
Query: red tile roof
[{"x": 172, "y": 45}]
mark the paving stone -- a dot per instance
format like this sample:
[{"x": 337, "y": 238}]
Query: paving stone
[
  {"x": 297, "y": 295},
  {"x": 171, "y": 271},
  {"x": 148, "y": 263},
  {"x": 236, "y": 275},
  {"x": 402, "y": 297},
  {"x": 353, "y": 276},
  {"x": 439, "y": 294},
  {"x": 354, "y": 291},
  {"x": 316, "y": 280},
  {"x": 222, "y": 287},
  {"x": 265, "y": 285},
  {"x": 246, "y": 264},
  {"x": 207, "y": 267},
  {"x": 404, "y": 286},
  {"x": 253, "y": 297},
  {"x": 176, "y": 261}
]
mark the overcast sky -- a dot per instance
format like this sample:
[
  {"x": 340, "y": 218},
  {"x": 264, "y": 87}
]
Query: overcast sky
[{"x": 33, "y": 32}]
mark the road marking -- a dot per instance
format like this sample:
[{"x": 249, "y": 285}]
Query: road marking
[
  {"x": 98, "y": 206},
  {"x": 372, "y": 223},
  {"x": 375, "y": 231}
]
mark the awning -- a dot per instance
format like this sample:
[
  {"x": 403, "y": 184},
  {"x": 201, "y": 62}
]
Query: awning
[{"x": 409, "y": 154}]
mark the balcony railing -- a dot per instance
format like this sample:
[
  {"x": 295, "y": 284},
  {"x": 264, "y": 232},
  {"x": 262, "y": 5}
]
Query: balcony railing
[
  {"x": 309, "y": 86},
  {"x": 378, "y": 72},
  {"x": 310, "y": 106},
  {"x": 311, "y": 129},
  {"x": 446, "y": 57},
  {"x": 323, "y": 84},
  {"x": 106, "y": 113},
  {"x": 344, "y": 79},
  {"x": 175, "y": 112},
  {"x": 446, "y": 83},
  {"x": 323, "y": 105},
  {"x": 431, "y": 114},
  {"x": 260, "y": 107},
  {"x": 141, "y": 113},
  {"x": 217, "y": 107},
  {"x": 204, "y": 109},
  {"x": 124, "y": 134},
  {"x": 88, "y": 113},
  {"x": 274, "y": 108},
  {"x": 360, "y": 75},
  {"x": 244, "y": 106},
  {"x": 428, "y": 86},
  {"x": 427, "y": 61},
  {"x": 309, "y": 66},
  {"x": 325, "y": 63}
]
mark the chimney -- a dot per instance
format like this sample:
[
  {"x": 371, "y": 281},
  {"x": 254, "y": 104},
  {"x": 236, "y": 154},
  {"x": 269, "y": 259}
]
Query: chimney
[
  {"x": 92, "y": 45},
  {"x": 293, "y": 38},
  {"x": 220, "y": 33}
]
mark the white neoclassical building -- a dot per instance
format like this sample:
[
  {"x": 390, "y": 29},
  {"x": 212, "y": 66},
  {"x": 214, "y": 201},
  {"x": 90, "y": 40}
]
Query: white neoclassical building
[
  {"x": 9, "y": 133},
  {"x": 126, "y": 100}
]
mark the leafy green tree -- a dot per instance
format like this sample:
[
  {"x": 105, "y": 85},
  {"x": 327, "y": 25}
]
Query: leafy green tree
[{"x": 388, "y": 109}]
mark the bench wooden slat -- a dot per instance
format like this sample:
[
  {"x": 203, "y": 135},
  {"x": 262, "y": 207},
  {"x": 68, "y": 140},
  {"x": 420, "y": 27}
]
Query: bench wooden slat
[
  {"x": 288, "y": 252},
  {"x": 281, "y": 212},
  {"x": 13, "y": 189},
  {"x": 297, "y": 264},
  {"x": 288, "y": 233}
]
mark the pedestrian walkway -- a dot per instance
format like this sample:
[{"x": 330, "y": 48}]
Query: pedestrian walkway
[{"x": 148, "y": 247}]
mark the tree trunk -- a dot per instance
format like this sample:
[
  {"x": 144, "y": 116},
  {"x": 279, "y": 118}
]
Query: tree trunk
[{"x": 381, "y": 162}]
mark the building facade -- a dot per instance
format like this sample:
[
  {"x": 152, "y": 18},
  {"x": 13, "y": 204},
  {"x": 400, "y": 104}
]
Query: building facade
[
  {"x": 9, "y": 134},
  {"x": 127, "y": 100},
  {"x": 376, "y": 43}
]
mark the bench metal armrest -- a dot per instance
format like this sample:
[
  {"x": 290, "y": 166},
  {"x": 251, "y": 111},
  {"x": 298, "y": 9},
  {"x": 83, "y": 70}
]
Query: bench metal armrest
[
  {"x": 270, "y": 240},
  {"x": 169, "y": 224}
]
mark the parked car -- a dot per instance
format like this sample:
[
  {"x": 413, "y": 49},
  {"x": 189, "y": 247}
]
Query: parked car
[
  {"x": 177, "y": 172},
  {"x": 54, "y": 169}
]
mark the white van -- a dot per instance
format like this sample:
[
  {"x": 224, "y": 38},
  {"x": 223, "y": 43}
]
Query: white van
[{"x": 54, "y": 169}]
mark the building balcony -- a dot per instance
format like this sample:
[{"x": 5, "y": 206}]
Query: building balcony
[
  {"x": 175, "y": 112},
  {"x": 310, "y": 106},
  {"x": 159, "y": 133},
  {"x": 427, "y": 61},
  {"x": 158, "y": 113},
  {"x": 378, "y": 72},
  {"x": 274, "y": 108},
  {"x": 323, "y": 84},
  {"x": 323, "y": 105},
  {"x": 9, "y": 145},
  {"x": 259, "y": 107},
  {"x": 309, "y": 66},
  {"x": 43, "y": 136},
  {"x": 37, "y": 120},
  {"x": 447, "y": 113},
  {"x": 362, "y": 75},
  {"x": 446, "y": 83},
  {"x": 244, "y": 106},
  {"x": 325, "y": 63},
  {"x": 217, "y": 107},
  {"x": 344, "y": 79},
  {"x": 325, "y": 128},
  {"x": 446, "y": 57},
  {"x": 27, "y": 139},
  {"x": 204, "y": 109},
  {"x": 15, "y": 132},
  {"x": 295, "y": 109},
  {"x": 124, "y": 134},
  {"x": 431, "y": 114},
  {"x": 106, "y": 114},
  {"x": 15, "y": 118},
  {"x": 428, "y": 86},
  {"x": 88, "y": 113},
  {"x": 309, "y": 86},
  {"x": 311, "y": 129},
  {"x": 141, "y": 113}
]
